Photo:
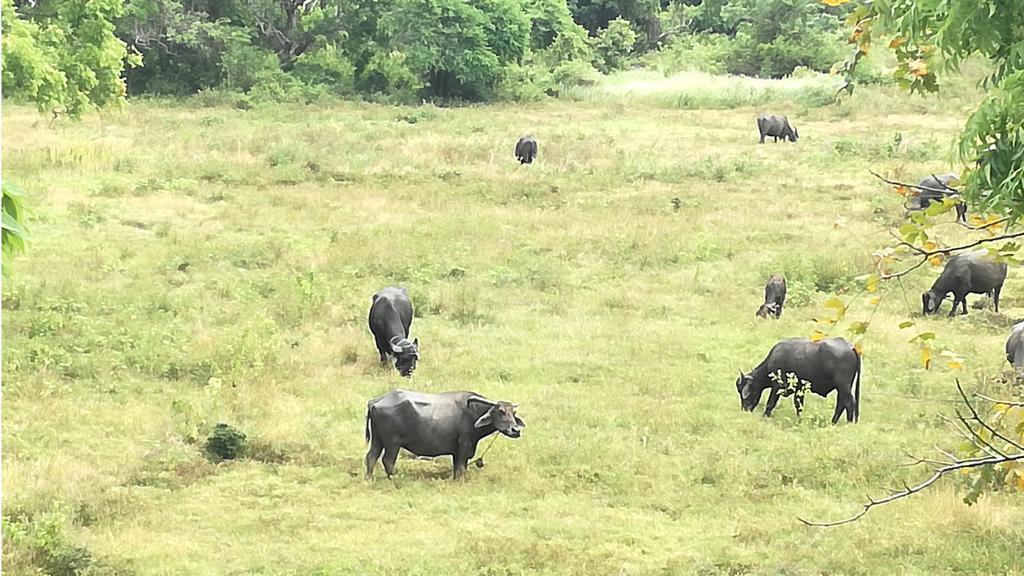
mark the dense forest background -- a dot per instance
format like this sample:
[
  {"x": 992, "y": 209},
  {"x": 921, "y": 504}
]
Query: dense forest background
[{"x": 409, "y": 50}]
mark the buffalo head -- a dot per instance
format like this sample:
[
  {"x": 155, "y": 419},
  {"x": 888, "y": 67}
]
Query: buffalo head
[
  {"x": 794, "y": 135},
  {"x": 501, "y": 415},
  {"x": 749, "y": 395},
  {"x": 930, "y": 302},
  {"x": 406, "y": 355}
]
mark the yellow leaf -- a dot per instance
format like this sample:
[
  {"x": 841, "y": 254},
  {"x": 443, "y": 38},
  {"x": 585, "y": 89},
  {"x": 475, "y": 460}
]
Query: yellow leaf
[
  {"x": 926, "y": 357},
  {"x": 834, "y": 3},
  {"x": 929, "y": 246},
  {"x": 918, "y": 68},
  {"x": 859, "y": 347},
  {"x": 871, "y": 284},
  {"x": 935, "y": 260},
  {"x": 897, "y": 42},
  {"x": 955, "y": 365},
  {"x": 874, "y": 301},
  {"x": 818, "y": 336}
]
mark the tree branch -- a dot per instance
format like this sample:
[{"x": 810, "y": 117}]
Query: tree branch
[{"x": 946, "y": 467}]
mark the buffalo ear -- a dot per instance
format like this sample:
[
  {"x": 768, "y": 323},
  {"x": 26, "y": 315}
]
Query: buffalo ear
[
  {"x": 416, "y": 342},
  {"x": 484, "y": 420},
  {"x": 519, "y": 422}
]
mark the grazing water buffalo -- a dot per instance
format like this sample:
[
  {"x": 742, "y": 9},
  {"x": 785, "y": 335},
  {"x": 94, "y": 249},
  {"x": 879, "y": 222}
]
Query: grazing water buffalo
[
  {"x": 831, "y": 364},
  {"x": 776, "y": 126},
  {"x": 434, "y": 425},
  {"x": 774, "y": 297},
  {"x": 526, "y": 150},
  {"x": 1015, "y": 348},
  {"x": 936, "y": 188},
  {"x": 390, "y": 318},
  {"x": 967, "y": 273}
]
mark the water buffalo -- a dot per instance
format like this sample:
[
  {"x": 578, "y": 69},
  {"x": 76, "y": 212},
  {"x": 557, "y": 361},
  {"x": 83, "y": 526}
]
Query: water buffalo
[
  {"x": 776, "y": 126},
  {"x": 966, "y": 273},
  {"x": 389, "y": 320},
  {"x": 526, "y": 150},
  {"x": 1015, "y": 349},
  {"x": 831, "y": 364},
  {"x": 936, "y": 188},
  {"x": 434, "y": 425},
  {"x": 774, "y": 297}
]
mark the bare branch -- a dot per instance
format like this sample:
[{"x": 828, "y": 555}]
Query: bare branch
[
  {"x": 993, "y": 458},
  {"x": 945, "y": 190},
  {"x": 1003, "y": 402},
  {"x": 982, "y": 422},
  {"x": 926, "y": 254},
  {"x": 939, "y": 473}
]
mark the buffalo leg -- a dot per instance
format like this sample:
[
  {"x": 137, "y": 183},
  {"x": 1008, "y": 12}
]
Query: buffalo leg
[
  {"x": 372, "y": 455},
  {"x": 390, "y": 456},
  {"x": 798, "y": 403},
  {"x": 840, "y": 406},
  {"x": 995, "y": 298},
  {"x": 773, "y": 399}
]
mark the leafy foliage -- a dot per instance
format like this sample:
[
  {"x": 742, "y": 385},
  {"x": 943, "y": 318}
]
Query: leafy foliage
[
  {"x": 931, "y": 37},
  {"x": 1007, "y": 420},
  {"x": 14, "y": 230},
  {"x": 64, "y": 55}
]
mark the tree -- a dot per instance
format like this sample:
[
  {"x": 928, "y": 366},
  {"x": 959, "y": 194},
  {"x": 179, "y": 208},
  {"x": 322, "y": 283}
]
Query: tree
[
  {"x": 928, "y": 38},
  {"x": 932, "y": 37},
  {"x": 456, "y": 48},
  {"x": 63, "y": 55}
]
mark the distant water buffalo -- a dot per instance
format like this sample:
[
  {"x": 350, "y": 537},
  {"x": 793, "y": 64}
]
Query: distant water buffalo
[
  {"x": 936, "y": 188},
  {"x": 966, "y": 273},
  {"x": 1015, "y": 348},
  {"x": 831, "y": 364},
  {"x": 774, "y": 297},
  {"x": 389, "y": 320},
  {"x": 526, "y": 150},
  {"x": 451, "y": 423},
  {"x": 776, "y": 126}
]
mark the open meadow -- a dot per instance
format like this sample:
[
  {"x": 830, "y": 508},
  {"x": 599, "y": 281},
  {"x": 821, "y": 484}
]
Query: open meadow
[{"x": 195, "y": 264}]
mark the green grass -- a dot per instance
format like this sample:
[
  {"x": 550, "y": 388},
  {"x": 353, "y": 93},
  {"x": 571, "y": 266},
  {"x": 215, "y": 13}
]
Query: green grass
[{"x": 190, "y": 266}]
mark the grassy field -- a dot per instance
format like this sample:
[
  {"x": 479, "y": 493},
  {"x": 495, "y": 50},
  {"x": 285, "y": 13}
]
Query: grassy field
[{"x": 196, "y": 265}]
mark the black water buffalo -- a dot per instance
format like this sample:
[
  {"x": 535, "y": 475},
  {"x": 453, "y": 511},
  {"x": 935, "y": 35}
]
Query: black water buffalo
[
  {"x": 526, "y": 150},
  {"x": 776, "y": 126},
  {"x": 1015, "y": 349},
  {"x": 389, "y": 320},
  {"x": 831, "y": 364},
  {"x": 434, "y": 425},
  {"x": 966, "y": 273},
  {"x": 774, "y": 297},
  {"x": 936, "y": 188}
]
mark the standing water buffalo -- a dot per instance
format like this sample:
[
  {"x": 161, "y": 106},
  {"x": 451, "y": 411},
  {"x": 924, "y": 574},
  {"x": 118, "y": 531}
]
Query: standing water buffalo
[
  {"x": 774, "y": 297},
  {"x": 831, "y": 364},
  {"x": 434, "y": 425},
  {"x": 526, "y": 150},
  {"x": 390, "y": 318},
  {"x": 936, "y": 188},
  {"x": 776, "y": 126},
  {"x": 1015, "y": 349},
  {"x": 967, "y": 273}
]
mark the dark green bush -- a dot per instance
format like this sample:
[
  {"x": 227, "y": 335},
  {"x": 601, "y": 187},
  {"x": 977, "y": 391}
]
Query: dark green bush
[
  {"x": 613, "y": 45},
  {"x": 226, "y": 443}
]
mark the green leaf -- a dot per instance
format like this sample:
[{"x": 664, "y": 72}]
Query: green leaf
[{"x": 906, "y": 324}]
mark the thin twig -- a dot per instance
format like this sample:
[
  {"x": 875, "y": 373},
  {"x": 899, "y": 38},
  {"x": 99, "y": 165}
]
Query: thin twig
[
  {"x": 939, "y": 473},
  {"x": 1003, "y": 402}
]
